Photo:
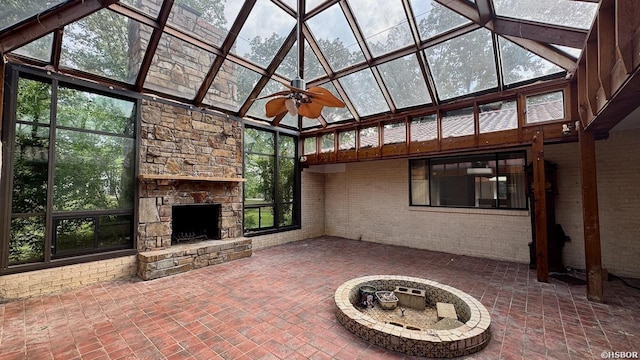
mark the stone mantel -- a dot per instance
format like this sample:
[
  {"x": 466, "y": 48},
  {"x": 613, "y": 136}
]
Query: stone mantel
[{"x": 144, "y": 177}]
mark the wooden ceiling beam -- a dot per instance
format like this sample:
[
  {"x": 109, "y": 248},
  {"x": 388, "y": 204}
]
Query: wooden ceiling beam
[
  {"x": 42, "y": 24},
  {"x": 540, "y": 32},
  {"x": 548, "y": 52},
  {"x": 485, "y": 11},
  {"x": 165, "y": 10}
]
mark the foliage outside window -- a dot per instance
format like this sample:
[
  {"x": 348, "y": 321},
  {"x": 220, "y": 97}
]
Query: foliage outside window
[
  {"x": 310, "y": 146},
  {"x": 394, "y": 133},
  {"x": 347, "y": 140},
  {"x": 478, "y": 181},
  {"x": 79, "y": 201},
  {"x": 545, "y": 107},
  {"x": 270, "y": 199}
]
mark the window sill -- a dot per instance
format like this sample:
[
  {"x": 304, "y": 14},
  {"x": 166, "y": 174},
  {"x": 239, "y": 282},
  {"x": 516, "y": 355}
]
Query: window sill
[
  {"x": 474, "y": 211},
  {"x": 271, "y": 231}
]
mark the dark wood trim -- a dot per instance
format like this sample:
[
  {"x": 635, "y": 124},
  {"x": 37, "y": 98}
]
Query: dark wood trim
[
  {"x": 590, "y": 217},
  {"x": 165, "y": 10},
  {"x": 540, "y": 199},
  {"x": 42, "y": 24},
  {"x": 484, "y": 11},
  {"x": 540, "y": 32},
  {"x": 56, "y": 48}
]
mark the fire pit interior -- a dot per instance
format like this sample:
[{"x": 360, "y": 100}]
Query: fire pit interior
[{"x": 428, "y": 319}]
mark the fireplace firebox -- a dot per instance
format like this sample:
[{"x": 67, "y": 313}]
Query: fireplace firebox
[{"x": 195, "y": 222}]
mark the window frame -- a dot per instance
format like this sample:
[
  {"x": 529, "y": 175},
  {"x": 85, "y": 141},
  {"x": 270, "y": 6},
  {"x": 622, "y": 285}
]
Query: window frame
[
  {"x": 13, "y": 73},
  {"x": 297, "y": 198},
  {"x": 497, "y": 156}
]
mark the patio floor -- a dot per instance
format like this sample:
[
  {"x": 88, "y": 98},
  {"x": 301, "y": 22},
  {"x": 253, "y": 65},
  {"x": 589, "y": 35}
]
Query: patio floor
[{"x": 278, "y": 304}]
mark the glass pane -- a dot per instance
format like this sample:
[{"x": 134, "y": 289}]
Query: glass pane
[
  {"x": 463, "y": 65},
  {"x": 286, "y": 181},
  {"x": 105, "y": 44},
  {"x": 420, "y": 182},
  {"x": 394, "y": 133},
  {"x": 26, "y": 240},
  {"x": 257, "y": 109},
  {"x": 251, "y": 218},
  {"x": 89, "y": 111},
  {"x": 34, "y": 101},
  {"x": 12, "y": 12},
  {"x": 259, "y": 141},
  {"x": 115, "y": 231},
  {"x": 259, "y": 172},
  {"x": 286, "y": 215},
  {"x": 231, "y": 87},
  {"x": 347, "y": 140},
  {"x": 500, "y": 115},
  {"x": 178, "y": 68},
  {"x": 93, "y": 172},
  {"x": 383, "y": 24},
  {"x": 289, "y": 121},
  {"x": 464, "y": 181},
  {"x": 327, "y": 143},
  {"x": 38, "y": 49},
  {"x": 312, "y": 67},
  {"x": 208, "y": 20},
  {"x": 404, "y": 81},
  {"x": 310, "y": 146},
  {"x": 266, "y": 217},
  {"x": 334, "y": 114},
  {"x": 369, "y": 137},
  {"x": 573, "y": 52},
  {"x": 424, "y": 128},
  {"x": 259, "y": 40},
  {"x": 312, "y": 4},
  {"x": 73, "y": 235},
  {"x": 512, "y": 181},
  {"x": 364, "y": 93},
  {"x": 545, "y": 107},
  {"x": 519, "y": 64},
  {"x": 458, "y": 123},
  {"x": 287, "y": 145},
  {"x": 336, "y": 41},
  {"x": 434, "y": 19},
  {"x": 576, "y": 14},
  {"x": 30, "y": 168},
  {"x": 309, "y": 123},
  {"x": 150, "y": 7}
]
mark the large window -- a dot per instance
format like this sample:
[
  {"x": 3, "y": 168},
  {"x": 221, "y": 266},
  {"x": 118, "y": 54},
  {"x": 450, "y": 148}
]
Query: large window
[
  {"x": 481, "y": 181},
  {"x": 69, "y": 174},
  {"x": 271, "y": 192}
]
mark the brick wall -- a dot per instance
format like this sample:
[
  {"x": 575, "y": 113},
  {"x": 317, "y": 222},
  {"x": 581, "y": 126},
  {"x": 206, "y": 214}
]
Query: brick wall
[{"x": 58, "y": 279}]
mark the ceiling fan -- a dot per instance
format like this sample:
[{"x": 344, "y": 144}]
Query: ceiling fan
[{"x": 298, "y": 101}]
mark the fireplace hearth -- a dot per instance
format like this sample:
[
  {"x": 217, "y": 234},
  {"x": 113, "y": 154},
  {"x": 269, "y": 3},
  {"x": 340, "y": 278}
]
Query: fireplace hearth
[{"x": 195, "y": 222}]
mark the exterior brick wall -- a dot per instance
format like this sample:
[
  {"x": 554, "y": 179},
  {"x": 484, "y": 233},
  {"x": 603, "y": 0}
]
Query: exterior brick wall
[{"x": 42, "y": 282}]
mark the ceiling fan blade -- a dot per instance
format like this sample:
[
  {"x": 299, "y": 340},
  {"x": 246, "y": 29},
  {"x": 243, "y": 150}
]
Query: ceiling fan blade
[
  {"x": 279, "y": 93},
  {"x": 275, "y": 107},
  {"x": 310, "y": 110},
  {"x": 324, "y": 97}
]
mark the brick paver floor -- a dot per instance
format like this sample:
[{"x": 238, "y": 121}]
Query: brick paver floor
[{"x": 278, "y": 304}]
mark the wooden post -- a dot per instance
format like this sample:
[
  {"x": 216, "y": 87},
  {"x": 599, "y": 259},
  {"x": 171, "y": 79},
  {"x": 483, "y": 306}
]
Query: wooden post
[
  {"x": 590, "y": 218},
  {"x": 540, "y": 199}
]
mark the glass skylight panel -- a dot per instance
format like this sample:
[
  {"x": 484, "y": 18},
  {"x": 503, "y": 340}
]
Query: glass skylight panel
[
  {"x": 363, "y": 91},
  {"x": 519, "y": 64},
  {"x": 291, "y": 3},
  {"x": 105, "y": 44},
  {"x": 263, "y": 33},
  {"x": 12, "y": 12},
  {"x": 334, "y": 114},
  {"x": 231, "y": 86},
  {"x": 149, "y": 7},
  {"x": 289, "y": 66},
  {"x": 335, "y": 38},
  {"x": 383, "y": 24},
  {"x": 257, "y": 109},
  {"x": 208, "y": 20},
  {"x": 405, "y": 82},
  {"x": 290, "y": 121},
  {"x": 178, "y": 68},
  {"x": 312, "y": 4},
  {"x": 497, "y": 116},
  {"x": 308, "y": 124},
  {"x": 573, "y": 52},
  {"x": 39, "y": 49},
  {"x": 433, "y": 19},
  {"x": 463, "y": 65},
  {"x": 576, "y": 14}
]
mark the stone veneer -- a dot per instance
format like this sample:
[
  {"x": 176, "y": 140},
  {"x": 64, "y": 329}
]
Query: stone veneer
[
  {"x": 179, "y": 141},
  {"x": 471, "y": 337}
]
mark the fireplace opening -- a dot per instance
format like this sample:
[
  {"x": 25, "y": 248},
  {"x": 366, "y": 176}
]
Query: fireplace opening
[{"x": 195, "y": 222}]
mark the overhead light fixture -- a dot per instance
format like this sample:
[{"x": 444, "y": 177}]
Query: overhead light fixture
[{"x": 480, "y": 171}]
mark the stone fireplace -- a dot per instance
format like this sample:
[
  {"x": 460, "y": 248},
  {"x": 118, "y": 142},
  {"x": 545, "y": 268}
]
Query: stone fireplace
[{"x": 190, "y": 161}]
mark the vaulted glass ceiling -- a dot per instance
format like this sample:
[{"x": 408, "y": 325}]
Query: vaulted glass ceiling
[{"x": 379, "y": 56}]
